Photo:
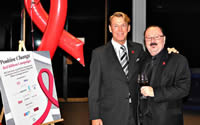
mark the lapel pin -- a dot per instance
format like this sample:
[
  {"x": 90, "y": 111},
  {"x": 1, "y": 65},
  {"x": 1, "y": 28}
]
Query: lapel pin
[{"x": 163, "y": 63}]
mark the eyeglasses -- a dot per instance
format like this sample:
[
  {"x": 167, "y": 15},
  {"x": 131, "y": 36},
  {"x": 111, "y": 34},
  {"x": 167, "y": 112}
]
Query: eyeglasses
[{"x": 155, "y": 37}]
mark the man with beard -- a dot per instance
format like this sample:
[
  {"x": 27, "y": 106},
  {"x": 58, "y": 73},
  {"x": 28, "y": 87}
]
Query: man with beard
[{"x": 169, "y": 82}]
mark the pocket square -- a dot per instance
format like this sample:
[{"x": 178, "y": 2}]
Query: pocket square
[{"x": 138, "y": 59}]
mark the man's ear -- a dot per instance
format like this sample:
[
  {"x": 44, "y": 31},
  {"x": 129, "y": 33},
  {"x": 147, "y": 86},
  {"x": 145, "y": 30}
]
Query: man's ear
[
  {"x": 110, "y": 29},
  {"x": 164, "y": 40},
  {"x": 129, "y": 27}
]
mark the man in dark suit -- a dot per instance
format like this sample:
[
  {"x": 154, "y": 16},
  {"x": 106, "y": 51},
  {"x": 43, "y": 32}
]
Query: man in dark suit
[
  {"x": 113, "y": 90},
  {"x": 169, "y": 79}
]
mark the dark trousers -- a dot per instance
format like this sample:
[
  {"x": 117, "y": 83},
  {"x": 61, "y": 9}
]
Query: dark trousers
[{"x": 131, "y": 120}]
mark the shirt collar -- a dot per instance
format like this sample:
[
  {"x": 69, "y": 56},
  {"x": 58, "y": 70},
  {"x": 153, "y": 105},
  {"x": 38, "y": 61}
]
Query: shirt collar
[{"x": 116, "y": 45}]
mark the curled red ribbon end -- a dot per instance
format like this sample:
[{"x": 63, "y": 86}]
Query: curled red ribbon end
[
  {"x": 48, "y": 93},
  {"x": 54, "y": 35}
]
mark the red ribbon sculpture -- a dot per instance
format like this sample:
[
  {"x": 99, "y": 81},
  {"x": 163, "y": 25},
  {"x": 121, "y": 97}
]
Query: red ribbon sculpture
[{"x": 52, "y": 26}]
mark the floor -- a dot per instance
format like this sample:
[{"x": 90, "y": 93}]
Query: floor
[
  {"x": 76, "y": 113},
  {"x": 191, "y": 117}
]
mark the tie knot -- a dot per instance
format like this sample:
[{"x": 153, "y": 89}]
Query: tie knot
[
  {"x": 153, "y": 58},
  {"x": 123, "y": 47}
]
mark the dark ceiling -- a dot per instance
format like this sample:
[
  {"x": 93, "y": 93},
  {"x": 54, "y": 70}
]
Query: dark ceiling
[{"x": 9, "y": 10}]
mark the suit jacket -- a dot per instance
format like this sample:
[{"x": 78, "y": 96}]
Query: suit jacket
[
  {"x": 170, "y": 80},
  {"x": 109, "y": 87}
]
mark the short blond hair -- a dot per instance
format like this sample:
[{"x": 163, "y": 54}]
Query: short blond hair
[{"x": 120, "y": 14}]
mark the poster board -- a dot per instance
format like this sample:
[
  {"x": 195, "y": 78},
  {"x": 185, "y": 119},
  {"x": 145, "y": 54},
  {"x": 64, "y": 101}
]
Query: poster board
[{"x": 28, "y": 88}]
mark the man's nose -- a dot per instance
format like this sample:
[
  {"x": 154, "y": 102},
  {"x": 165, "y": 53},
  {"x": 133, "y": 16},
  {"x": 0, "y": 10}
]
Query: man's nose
[
  {"x": 120, "y": 28},
  {"x": 152, "y": 39}
]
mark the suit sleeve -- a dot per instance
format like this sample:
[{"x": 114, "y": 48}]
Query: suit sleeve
[
  {"x": 179, "y": 86},
  {"x": 94, "y": 87}
]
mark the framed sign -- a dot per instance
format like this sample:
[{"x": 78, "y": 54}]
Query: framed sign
[{"x": 27, "y": 88}]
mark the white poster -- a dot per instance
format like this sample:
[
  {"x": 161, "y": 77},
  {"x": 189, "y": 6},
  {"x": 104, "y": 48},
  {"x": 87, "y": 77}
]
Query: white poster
[{"x": 27, "y": 88}]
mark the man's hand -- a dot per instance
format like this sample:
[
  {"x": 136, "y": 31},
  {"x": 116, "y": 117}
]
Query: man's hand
[
  {"x": 172, "y": 50},
  {"x": 147, "y": 91},
  {"x": 97, "y": 122}
]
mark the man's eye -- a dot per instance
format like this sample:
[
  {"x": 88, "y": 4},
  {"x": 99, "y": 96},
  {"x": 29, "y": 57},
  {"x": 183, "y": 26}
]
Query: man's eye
[{"x": 124, "y": 25}]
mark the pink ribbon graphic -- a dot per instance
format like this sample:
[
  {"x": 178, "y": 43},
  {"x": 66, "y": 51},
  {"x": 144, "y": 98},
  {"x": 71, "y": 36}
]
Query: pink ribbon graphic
[
  {"x": 52, "y": 26},
  {"x": 48, "y": 93}
]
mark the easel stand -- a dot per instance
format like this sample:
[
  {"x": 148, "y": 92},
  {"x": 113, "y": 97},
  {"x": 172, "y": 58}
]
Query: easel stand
[
  {"x": 53, "y": 122},
  {"x": 1, "y": 116}
]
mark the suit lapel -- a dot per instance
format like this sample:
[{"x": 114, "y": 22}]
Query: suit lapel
[
  {"x": 132, "y": 52},
  {"x": 158, "y": 69},
  {"x": 114, "y": 59}
]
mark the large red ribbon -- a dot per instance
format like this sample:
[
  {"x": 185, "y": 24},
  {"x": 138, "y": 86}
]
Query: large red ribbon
[
  {"x": 48, "y": 93},
  {"x": 52, "y": 26}
]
